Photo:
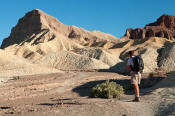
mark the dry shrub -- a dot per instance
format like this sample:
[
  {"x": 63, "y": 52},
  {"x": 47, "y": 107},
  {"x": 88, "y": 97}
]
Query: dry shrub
[{"x": 107, "y": 90}]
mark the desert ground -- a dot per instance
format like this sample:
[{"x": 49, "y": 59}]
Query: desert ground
[
  {"x": 67, "y": 94},
  {"x": 48, "y": 68}
]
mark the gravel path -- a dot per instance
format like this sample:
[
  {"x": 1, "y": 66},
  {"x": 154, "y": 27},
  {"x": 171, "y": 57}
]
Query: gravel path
[{"x": 67, "y": 94}]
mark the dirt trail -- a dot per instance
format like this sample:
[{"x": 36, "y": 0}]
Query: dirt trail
[{"x": 66, "y": 94}]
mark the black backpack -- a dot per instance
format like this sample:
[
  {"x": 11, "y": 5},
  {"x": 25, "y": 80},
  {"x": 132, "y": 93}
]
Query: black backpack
[{"x": 138, "y": 64}]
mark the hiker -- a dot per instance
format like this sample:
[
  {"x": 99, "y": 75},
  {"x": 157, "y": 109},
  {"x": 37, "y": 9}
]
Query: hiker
[{"x": 135, "y": 65}]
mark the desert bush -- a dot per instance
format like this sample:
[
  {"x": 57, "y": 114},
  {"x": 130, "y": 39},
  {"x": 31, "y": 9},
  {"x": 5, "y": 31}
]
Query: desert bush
[{"x": 107, "y": 90}]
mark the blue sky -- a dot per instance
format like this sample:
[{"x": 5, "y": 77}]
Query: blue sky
[{"x": 109, "y": 16}]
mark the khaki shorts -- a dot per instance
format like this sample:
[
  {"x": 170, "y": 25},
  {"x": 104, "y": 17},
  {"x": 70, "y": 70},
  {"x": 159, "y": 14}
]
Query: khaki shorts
[{"x": 135, "y": 78}]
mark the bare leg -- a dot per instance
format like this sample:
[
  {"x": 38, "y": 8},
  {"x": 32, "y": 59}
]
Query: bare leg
[{"x": 136, "y": 89}]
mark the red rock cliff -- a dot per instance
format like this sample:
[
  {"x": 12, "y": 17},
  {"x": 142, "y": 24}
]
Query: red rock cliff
[{"x": 163, "y": 27}]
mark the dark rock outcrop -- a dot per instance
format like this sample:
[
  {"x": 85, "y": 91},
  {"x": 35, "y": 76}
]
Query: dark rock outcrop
[
  {"x": 25, "y": 28},
  {"x": 163, "y": 27}
]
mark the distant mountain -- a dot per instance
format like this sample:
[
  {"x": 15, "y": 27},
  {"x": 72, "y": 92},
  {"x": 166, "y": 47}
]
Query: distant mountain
[
  {"x": 38, "y": 27},
  {"x": 163, "y": 27},
  {"x": 44, "y": 40}
]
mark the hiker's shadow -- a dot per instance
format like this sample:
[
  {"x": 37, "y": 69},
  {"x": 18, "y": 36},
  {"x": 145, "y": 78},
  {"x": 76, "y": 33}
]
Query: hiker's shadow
[
  {"x": 85, "y": 89},
  {"x": 146, "y": 83}
]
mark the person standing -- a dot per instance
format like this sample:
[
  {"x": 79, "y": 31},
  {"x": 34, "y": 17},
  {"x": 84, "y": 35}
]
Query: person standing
[{"x": 135, "y": 65}]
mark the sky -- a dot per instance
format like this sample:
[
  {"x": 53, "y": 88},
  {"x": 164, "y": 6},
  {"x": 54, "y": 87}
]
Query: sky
[{"x": 109, "y": 16}]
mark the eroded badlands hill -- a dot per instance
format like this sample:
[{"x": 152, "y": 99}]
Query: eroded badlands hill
[
  {"x": 38, "y": 36},
  {"x": 45, "y": 41},
  {"x": 38, "y": 27}
]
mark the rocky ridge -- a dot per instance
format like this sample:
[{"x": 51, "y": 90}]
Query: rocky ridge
[
  {"x": 163, "y": 27},
  {"x": 38, "y": 27}
]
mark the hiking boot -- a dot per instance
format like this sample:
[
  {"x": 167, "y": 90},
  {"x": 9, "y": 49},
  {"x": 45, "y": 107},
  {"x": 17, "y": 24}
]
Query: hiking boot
[{"x": 137, "y": 99}]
